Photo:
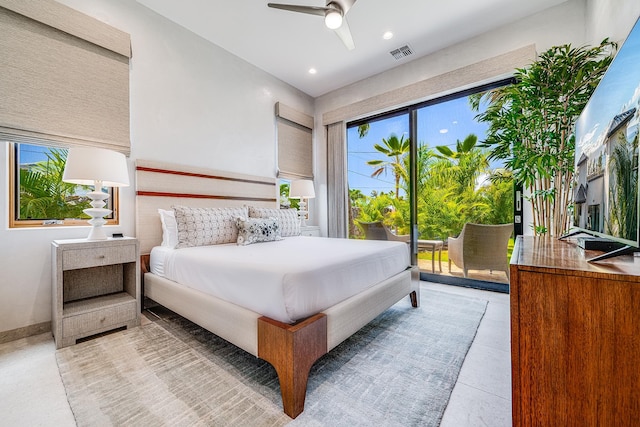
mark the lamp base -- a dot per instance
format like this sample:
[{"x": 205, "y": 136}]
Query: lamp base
[
  {"x": 303, "y": 212},
  {"x": 303, "y": 218},
  {"x": 97, "y": 213}
]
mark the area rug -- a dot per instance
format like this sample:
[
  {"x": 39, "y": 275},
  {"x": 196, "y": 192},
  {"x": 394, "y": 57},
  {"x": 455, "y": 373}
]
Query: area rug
[{"x": 398, "y": 370}]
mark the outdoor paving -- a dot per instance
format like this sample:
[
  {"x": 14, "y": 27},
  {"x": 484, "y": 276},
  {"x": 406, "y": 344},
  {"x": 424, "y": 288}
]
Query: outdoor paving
[{"x": 486, "y": 275}]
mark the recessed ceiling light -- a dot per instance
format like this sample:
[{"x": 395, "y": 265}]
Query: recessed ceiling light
[
  {"x": 388, "y": 35},
  {"x": 312, "y": 71}
]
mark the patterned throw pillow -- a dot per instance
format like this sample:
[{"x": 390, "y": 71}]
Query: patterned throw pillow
[
  {"x": 289, "y": 220},
  {"x": 207, "y": 226},
  {"x": 255, "y": 230}
]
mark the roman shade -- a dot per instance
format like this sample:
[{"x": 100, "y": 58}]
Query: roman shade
[
  {"x": 295, "y": 143},
  {"x": 65, "y": 77}
]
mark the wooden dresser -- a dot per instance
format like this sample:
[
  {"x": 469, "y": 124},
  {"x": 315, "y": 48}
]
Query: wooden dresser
[{"x": 575, "y": 336}]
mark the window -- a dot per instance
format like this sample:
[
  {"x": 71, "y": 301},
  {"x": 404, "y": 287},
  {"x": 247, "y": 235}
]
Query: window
[
  {"x": 38, "y": 197},
  {"x": 285, "y": 201},
  {"x": 422, "y": 169},
  {"x": 84, "y": 65}
]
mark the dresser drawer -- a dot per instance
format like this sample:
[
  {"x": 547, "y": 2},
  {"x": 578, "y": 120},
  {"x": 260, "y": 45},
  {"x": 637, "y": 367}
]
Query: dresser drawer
[
  {"x": 85, "y": 324},
  {"x": 95, "y": 257}
]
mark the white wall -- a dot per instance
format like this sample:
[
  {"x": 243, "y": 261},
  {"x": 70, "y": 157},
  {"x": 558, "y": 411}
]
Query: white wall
[
  {"x": 610, "y": 18},
  {"x": 191, "y": 102}
]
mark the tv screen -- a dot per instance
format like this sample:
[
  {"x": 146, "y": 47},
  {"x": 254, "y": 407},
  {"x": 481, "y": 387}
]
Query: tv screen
[{"x": 606, "y": 160}]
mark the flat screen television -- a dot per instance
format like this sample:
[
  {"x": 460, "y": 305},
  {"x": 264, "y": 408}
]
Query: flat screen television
[{"x": 606, "y": 160}]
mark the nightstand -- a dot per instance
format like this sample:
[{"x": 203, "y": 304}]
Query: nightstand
[
  {"x": 310, "y": 230},
  {"x": 96, "y": 287}
]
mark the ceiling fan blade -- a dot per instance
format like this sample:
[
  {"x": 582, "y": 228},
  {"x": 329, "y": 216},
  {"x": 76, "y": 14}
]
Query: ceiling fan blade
[
  {"x": 311, "y": 10},
  {"x": 345, "y": 35},
  {"x": 345, "y": 5}
]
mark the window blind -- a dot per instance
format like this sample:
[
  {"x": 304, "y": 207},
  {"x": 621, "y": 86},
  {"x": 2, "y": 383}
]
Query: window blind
[
  {"x": 295, "y": 143},
  {"x": 65, "y": 77}
]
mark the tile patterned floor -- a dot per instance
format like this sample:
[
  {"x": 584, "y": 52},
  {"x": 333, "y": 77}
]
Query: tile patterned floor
[{"x": 31, "y": 392}]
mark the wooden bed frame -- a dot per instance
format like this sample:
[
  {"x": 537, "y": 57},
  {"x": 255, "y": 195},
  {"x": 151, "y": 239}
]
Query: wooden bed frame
[{"x": 291, "y": 348}]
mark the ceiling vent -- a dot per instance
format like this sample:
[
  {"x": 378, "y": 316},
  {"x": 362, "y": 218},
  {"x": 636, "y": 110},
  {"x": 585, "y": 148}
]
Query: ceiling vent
[{"x": 401, "y": 52}]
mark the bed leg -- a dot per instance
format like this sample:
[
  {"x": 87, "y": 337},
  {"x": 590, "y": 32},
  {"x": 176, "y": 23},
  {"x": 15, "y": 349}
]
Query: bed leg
[
  {"x": 292, "y": 350},
  {"x": 415, "y": 284},
  {"x": 415, "y": 300}
]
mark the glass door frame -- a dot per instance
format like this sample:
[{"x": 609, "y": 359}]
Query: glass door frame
[{"x": 412, "y": 112}]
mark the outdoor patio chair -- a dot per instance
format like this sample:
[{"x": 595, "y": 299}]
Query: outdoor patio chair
[
  {"x": 373, "y": 230},
  {"x": 481, "y": 247},
  {"x": 423, "y": 245}
]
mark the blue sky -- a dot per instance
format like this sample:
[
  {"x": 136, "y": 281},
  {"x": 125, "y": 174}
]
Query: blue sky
[
  {"x": 438, "y": 124},
  {"x": 618, "y": 91},
  {"x": 32, "y": 153}
]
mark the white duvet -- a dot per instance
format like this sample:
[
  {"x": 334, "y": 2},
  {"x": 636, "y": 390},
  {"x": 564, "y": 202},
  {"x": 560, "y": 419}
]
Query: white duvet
[{"x": 286, "y": 280}]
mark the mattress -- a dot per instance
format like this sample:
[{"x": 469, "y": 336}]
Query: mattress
[{"x": 286, "y": 280}]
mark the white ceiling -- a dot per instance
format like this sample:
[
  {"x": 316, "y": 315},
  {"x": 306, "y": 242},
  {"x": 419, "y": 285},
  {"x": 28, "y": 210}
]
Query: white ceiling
[{"x": 287, "y": 44}]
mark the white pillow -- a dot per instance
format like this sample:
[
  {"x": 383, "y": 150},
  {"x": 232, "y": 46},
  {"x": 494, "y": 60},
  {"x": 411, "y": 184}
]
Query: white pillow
[
  {"x": 169, "y": 228},
  {"x": 288, "y": 218}
]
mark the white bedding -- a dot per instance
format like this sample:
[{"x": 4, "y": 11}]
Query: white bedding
[{"x": 286, "y": 280}]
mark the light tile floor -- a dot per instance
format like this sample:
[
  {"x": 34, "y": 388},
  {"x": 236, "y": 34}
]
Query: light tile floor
[{"x": 31, "y": 392}]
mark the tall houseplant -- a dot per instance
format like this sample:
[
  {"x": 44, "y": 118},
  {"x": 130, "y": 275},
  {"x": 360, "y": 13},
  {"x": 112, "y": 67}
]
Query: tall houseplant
[{"x": 531, "y": 125}]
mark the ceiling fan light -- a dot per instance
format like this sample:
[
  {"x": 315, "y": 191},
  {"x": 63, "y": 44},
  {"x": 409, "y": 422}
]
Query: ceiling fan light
[{"x": 333, "y": 19}]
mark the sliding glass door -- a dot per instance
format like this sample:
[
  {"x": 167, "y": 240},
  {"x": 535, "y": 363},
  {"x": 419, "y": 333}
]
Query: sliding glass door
[
  {"x": 419, "y": 174},
  {"x": 378, "y": 171}
]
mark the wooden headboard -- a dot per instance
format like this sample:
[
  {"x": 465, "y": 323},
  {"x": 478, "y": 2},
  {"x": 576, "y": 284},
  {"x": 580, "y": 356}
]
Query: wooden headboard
[{"x": 163, "y": 185}]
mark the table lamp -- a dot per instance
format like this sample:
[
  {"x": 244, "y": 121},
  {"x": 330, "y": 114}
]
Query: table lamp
[
  {"x": 101, "y": 168},
  {"x": 302, "y": 189}
]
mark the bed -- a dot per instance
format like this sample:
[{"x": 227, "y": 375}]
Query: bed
[{"x": 293, "y": 333}]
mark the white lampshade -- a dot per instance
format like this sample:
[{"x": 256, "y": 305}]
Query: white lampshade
[
  {"x": 100, "y": 168},
  {"x": 86, "y": 165},
  {"x": 301, "y": 189}
]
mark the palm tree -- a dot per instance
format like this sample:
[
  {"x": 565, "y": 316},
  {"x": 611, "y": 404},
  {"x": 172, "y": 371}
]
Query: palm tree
[
  {"x": 396, "y": 149},
  {"x": 623, "y": 197},
  {"x": 43, "y": 194},
  {"x": 468, "y": 162}
]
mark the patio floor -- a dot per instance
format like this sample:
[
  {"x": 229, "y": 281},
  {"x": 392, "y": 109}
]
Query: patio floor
[{"x": 483, "y": 275}]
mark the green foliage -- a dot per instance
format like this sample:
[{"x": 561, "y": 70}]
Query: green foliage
[
  {"x": 43, "y": 195},
  {"x": 623, "y": 198},
  {"x": 465, "y": 165},
  {"x": 395, "y": 149},
  {"x": 284, "y": 196},
  {"x": 447, "y": 192},
  {"x": 363, "y": 130},
  {"x": 531, "y": 125},
  {"x": 499, "y": 198}
]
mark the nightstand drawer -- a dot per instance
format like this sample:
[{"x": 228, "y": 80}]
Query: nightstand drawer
[
  {"x": 93, "y": 257},
  {"x": 85, "y": 324},
  {"x": 310, "y": 231}
]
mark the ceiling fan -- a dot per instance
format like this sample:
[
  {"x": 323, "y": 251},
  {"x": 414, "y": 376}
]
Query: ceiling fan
[{"x": 334, "y": 16}]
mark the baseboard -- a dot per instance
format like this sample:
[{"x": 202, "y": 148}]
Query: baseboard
[
  {"x": 24, "y": 332},
  {"x": 465, "y": 283}
]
